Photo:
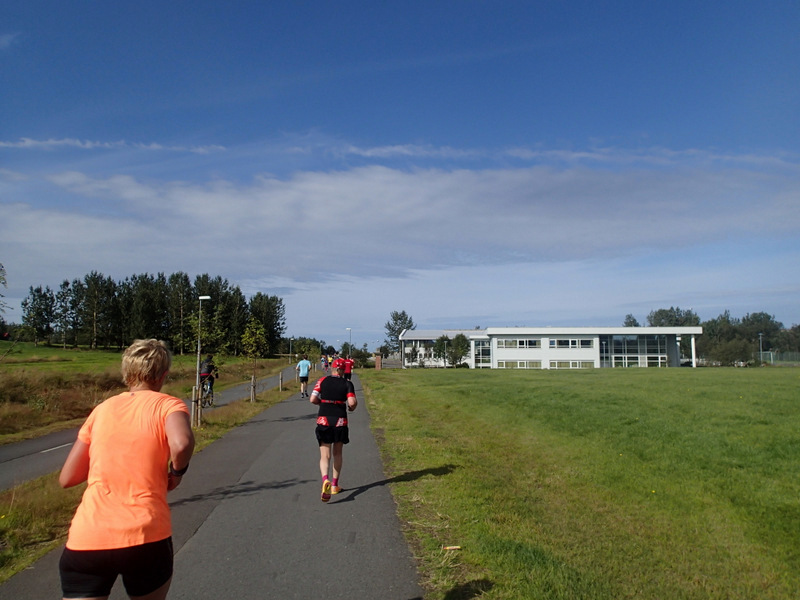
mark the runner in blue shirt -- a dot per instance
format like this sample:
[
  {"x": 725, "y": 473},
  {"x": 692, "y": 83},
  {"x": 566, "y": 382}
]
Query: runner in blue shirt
[{"x": 302, "y": 369}]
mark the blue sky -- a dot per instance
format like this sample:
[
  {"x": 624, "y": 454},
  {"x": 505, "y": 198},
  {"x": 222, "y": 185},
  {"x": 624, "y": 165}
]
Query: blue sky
[{"x": 472, "y": 163}]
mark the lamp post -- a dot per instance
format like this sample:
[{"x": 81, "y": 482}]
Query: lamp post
[
  {"x": 445, "y": 354},
  {"x": 760, "y": 349},
  {"x": 290, "y": 350},
  {"x": 199, "y": 326},
  {"x": 350, "y": 348}
]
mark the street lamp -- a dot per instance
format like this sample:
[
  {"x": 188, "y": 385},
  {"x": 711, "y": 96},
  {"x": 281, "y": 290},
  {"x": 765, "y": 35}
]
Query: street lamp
[
  {"x": 350, "y": 349},
  {"x": 290, "y": 350},
  {"x": 760, "y": 349},
  {"x": 445, "y": 354},
  {"x": 199, "y": 324}
]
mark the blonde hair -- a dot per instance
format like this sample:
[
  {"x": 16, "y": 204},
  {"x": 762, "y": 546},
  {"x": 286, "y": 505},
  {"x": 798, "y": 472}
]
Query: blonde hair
[{"x": 145, "y": 361}]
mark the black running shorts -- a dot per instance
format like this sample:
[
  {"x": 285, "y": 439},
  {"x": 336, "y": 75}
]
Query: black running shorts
[{"x": 92, "y": 573}]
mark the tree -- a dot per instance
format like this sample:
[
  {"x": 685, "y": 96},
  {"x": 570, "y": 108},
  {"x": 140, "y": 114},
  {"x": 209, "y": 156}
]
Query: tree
[
  {"x": 269, "y": 310},
  {"x": 441, "y": 348},
  {"x": 93, "y": 305},
  {"x": 38, "y": 311},
  {"x": 180, "y": 303},
  {"x": 397, "y": 323},
  {"x": 672, "y": 317},
  {"x": 766, "y": 325},
  {"x": 732, "y": 352},
  {"x": 459, "y": 349},
  {"x": 254, "y": 340},
  {"x": 630, "y": 321},
  {"x": 64, "y": 310}
]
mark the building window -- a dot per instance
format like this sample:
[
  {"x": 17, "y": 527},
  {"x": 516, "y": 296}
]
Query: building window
[
  {"x": 530, "y": 343},
  {"x": 520, "y": 343},
  {"x": 571, "y": 364},
  {"x": 483, "y": 354},
  {"x": 563, "y": 343},
  {"x": 519, "y": 364}
]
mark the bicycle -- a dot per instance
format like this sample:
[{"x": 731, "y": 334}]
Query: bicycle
[{"x": 206, "y": 394}]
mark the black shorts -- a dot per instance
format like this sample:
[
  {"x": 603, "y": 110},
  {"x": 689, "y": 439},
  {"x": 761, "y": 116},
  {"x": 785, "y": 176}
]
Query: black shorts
[
  {"x": 92, "y": 573},
  {"x": 332, "y": 435},
  {"x": 348, "y": 376},
  {"x": 303, "y": 379}
]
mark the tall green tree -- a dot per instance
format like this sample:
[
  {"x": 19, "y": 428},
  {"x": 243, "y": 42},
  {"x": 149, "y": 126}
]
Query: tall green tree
[
  {"x": 77, "y": 302},
  {"x": 716, "y": 332},
  {"x": 38, "y": 313},
  {"x": 64, "y": 308},
  {"x": 254, "y": 340},
  {"x": 672, "y": 317},
  {"x": 271, "y": 313},
  {"x": 459, "y": 349},
  {"x": 397, "y": 323},
  {"x": 630, "y": 321},
  {"x": 441, "y": 349},
  {"x": 180, "y": 300},
  {"x": 93, "y": 305},
  {"x": 761, "y": 323}
]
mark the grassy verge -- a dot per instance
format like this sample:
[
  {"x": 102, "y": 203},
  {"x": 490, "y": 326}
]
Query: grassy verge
[
  {"x": 50, "y": 389},
  {"x": 35, "y": 516},
  {"x": 670, "y": 483}
]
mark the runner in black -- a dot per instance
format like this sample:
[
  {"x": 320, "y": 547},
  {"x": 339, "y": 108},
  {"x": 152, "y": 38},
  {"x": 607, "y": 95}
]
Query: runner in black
[{"x": 335, "y": 397}]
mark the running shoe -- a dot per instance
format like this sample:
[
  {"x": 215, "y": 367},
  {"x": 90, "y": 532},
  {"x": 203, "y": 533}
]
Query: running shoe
[
  {"x": 326, "y": 491},
  {"x": 336, "y": 489}
]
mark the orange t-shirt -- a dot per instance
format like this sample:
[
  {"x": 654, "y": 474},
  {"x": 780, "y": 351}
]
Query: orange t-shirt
[{"x": 125, "y": 502}]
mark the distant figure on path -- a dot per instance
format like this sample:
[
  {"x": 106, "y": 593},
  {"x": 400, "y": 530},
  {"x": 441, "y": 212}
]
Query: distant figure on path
[
  {"x": 302, "y": 369},
  {"x": 335, "y": 397},
  {"x": 208, "y": 370},
  {"x": 131, "y": 450},
  {"x": 349, "y": 363}
]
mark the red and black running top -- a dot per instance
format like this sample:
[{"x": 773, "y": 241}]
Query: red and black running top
[{"x": 333, "y": 393}]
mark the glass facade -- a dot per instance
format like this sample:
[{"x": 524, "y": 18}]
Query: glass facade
[
  {"x": 483, "y": 354},
  {"x": 633, "y": 351}
]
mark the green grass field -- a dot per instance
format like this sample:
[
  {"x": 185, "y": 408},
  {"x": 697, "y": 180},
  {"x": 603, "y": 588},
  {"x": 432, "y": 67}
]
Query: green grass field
[{"x": 646, "y": 483}]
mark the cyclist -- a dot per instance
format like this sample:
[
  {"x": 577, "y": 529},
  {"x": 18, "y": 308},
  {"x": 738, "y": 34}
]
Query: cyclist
[{"x": 208, "y": 370}]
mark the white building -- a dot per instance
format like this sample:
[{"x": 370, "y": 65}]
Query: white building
[{"x": 555, "y": 347}]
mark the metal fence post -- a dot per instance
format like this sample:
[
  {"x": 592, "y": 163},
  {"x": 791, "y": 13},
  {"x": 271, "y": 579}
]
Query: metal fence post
[{"x": 194, "y": 406}]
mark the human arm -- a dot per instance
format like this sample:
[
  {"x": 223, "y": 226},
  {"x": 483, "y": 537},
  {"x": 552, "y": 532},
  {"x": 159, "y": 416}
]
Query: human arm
[
  {"x": 181, "y": 445},
  {"x": 76, "y": 467},
  {"x": 352, "y": 403}
]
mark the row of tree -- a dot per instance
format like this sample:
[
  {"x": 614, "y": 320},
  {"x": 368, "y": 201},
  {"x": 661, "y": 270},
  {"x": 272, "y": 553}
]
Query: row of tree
[
  {"x": 726, "y": 339},
  {"x": 99, "y": 312}
]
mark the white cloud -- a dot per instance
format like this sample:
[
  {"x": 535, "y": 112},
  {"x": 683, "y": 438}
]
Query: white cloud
[
  {"x": 51, "y": 144},
  {"x": 534, "y": 244}
]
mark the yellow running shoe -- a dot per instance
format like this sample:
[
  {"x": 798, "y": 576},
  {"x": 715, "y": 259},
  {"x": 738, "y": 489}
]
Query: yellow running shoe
[{"x": 326, "y": 491}]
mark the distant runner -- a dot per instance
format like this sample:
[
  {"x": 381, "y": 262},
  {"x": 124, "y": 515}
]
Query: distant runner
[{"x": 302, "y": 369}]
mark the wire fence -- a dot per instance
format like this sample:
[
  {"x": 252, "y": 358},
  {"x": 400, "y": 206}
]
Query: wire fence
[{"x": 781, "y": 359}]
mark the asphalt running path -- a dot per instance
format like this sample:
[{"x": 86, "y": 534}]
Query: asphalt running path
[
  {"x": 248, "y": 521},
  {"x": 29, "y": 459}
]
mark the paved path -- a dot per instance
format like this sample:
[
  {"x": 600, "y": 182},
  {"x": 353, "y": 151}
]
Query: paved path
[
  {"x": 29, "y": 459},
  {"x": 248, "y": 522}
]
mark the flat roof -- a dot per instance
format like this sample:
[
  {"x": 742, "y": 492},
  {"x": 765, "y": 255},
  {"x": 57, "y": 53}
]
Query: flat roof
[{"x": 432, "y": 334}]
